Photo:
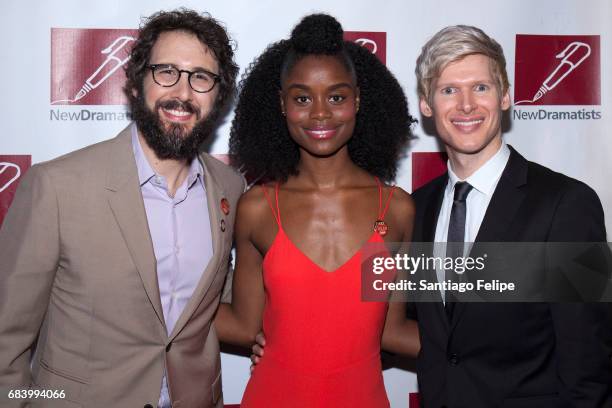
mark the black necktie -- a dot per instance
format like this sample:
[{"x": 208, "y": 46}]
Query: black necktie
[{"x": 456, "y": 233}]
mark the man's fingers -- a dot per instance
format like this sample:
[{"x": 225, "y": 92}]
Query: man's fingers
[{"x": 257, "y": 350}]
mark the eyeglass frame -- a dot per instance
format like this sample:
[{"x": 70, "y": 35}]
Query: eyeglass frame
[{"x": 216, "y": 78}]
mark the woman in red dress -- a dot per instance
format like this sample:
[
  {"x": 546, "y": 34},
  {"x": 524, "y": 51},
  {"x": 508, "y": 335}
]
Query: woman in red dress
[{"x": 324, "y": 123}]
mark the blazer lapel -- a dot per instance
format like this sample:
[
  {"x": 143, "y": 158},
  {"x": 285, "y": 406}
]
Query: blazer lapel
[
  {"x": 500, "y": 216},
  {"x": 126, "y": 203},
  {"x": 506, "y": 201},
  {"x": 432, "y": 210},
  {"x": 214, "y": 195}
]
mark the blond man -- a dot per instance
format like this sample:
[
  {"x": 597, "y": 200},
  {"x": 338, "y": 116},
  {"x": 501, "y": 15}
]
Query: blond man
[{"x": 505, "y": 354}]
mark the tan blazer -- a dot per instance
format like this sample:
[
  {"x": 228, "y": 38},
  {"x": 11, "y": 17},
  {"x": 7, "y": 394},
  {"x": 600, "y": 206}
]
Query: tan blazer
[{"x": 77, "y": 269}]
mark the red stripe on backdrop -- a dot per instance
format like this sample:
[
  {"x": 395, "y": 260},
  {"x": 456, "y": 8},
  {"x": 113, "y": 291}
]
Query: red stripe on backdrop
[
  {"x": 426, "y": 166},
  {"x": 413, "y": 400}
]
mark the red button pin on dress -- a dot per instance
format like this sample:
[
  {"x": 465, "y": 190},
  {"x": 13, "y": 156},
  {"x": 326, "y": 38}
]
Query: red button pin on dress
[
  {"x": 381, "y": 227},
  {"x": 225, "y": 206}
]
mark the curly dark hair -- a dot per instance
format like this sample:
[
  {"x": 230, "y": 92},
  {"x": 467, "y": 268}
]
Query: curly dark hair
[
  {"x": 208, "y": 30},
  {"x": 260, "y": 144}
]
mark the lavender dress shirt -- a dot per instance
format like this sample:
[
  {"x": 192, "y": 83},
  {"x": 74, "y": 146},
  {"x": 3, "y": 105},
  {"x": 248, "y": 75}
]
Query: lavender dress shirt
[{"x": 181, "y": 236}]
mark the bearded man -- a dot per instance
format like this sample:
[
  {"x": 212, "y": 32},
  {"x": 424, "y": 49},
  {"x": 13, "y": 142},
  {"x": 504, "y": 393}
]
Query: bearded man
[{"x": 114, "y": 257}]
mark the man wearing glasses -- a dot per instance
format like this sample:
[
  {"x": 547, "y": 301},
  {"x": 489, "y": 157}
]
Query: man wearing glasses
[{"x": 113, "y": 258}]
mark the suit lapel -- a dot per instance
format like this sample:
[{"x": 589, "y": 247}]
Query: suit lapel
[
  {"x": 214, "y": 195},
  {"x": 432, "y": 210},
  {"x": 125, "y": 199},
  {"x": 506, "y": 201},
  {"x": 500, "y": 217}
]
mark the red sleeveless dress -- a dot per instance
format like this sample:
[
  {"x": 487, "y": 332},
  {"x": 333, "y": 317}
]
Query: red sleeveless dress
[{"x": 322, "y": 342}]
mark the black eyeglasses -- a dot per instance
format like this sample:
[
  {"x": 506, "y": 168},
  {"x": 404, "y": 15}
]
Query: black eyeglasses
[{"x": 168, "y": 75}]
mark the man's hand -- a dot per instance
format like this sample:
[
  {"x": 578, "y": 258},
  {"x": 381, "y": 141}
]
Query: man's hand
[{"x": 257, "y": 349}]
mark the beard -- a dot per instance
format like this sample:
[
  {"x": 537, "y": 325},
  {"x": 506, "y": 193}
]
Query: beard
[{"x": 172, "y": 140}]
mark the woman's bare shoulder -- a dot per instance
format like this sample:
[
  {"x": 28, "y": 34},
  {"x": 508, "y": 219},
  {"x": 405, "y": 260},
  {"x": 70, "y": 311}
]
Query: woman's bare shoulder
[
  {"x": 401, "y": 211},
  {"x": 255, "y": 211},
  {"x": 401, "y": 202}
]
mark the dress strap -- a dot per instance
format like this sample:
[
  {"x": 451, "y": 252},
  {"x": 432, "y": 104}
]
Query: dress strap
[
  {"x": 278, "y": 218},
  {"x": 382, "y": 212},
  {"x": 274, "y": 212},
  {"x": 382, "y": 216}
]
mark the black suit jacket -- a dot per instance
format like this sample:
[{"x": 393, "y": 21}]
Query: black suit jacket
[{"x": 517, "y": 354}]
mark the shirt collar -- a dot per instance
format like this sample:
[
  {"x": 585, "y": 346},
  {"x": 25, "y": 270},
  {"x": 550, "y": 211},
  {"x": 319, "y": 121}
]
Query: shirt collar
[
  {"x": 146, "y": 172},
  {"x": 195, "y": 172},
  {"x": 485, "y": 178}
]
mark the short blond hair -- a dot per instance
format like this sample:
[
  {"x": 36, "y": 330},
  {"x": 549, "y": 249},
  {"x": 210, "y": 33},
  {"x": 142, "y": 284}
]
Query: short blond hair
[{"x": 452, "y": 44}]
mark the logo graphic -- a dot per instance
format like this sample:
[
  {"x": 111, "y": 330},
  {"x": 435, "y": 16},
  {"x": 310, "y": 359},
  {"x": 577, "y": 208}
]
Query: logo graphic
[
  {"x": 86, "y": 65},
  {"x": 557, "y": 70},
  {"x": 4, "y": 184},
  {"x": 426, "y": 166},
  {"x": 376, "y": 42},
  {"x": 11, "y": 170}
]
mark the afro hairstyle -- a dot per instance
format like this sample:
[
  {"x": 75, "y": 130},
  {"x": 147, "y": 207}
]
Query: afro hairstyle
[{"x": 260, "y": 144}]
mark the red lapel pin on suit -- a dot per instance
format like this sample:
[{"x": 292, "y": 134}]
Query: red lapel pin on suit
[{"x": 225, "y": 206}]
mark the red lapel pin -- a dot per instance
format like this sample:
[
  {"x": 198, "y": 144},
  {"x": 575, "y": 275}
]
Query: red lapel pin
[{"x": 225, "y": 206}]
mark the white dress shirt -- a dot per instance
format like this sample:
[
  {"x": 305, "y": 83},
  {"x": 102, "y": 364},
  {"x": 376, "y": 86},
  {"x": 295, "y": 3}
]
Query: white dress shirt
[{"x": 484, "y": 181}]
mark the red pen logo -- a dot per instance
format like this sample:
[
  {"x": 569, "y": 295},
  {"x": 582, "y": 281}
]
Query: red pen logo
[
  {"x": 374, "y": 41},
  {"x": 87, "y": 65},
  {"x": 557, "y": 70},
  {"x": 12, "y": 168}
]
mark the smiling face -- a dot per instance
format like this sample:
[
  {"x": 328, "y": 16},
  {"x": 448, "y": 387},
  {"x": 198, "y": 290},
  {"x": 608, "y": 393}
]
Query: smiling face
[
  {"x": 467, "y": 106},
  {"x": 186, "y": 106},
  {"x": 320, "y": 100},
  {"x": 173, "y": 120}
]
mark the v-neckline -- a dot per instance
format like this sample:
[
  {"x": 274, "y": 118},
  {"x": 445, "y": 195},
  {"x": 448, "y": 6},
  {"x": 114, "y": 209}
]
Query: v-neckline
[
  {"x": 313, "y": 263},
  {"x": 281, "y": 230}
]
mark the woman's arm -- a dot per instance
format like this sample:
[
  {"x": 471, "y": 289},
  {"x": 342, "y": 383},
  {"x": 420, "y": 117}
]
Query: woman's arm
[
  {"x": 401, "y": 334},
  {"x": 239, "y": 322}
]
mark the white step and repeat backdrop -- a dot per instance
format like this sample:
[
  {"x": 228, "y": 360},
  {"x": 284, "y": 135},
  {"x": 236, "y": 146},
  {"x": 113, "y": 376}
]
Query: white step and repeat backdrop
[{"x": 61, "y": 85}]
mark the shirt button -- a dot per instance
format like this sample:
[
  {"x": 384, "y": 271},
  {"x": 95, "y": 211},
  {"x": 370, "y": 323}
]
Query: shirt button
[
  {"x": 177, "y": 249},
  {"x": 158, "y": 180},
  {"x": 453, "y": 359}
]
